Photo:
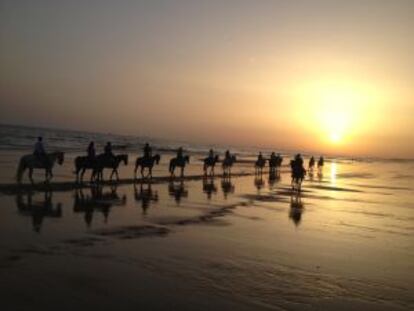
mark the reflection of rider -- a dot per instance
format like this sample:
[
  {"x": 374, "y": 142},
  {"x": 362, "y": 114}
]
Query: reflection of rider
[
  {"x": 39, "y": 151},
  {"x": 108, "y": 150},
  {"x": 147, "y": 151},
  {"x": 91, "y": 151}
]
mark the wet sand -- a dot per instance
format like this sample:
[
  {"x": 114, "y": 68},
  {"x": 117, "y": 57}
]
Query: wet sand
[{"x": 244, "y": 243}]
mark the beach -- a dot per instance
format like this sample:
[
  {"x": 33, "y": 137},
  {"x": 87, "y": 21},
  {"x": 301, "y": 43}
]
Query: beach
[{"x": 245, "y": 242}]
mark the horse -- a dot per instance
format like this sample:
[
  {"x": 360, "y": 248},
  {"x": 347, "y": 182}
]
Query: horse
[
  {"x": 144, "y": 162},
  {"x": 210, "y": 162},
  {"x": 103, "y": 161},
  {"x": 32, "y": 161},
  {"x": 275, "y": 162},
  {"x": 259, "y": 165},
  {"x": 83, "y": 163},
  {"x": 227, "y": 164},
  {"x": 298, "y": 174},
  {"x": 180, "y": 162}
]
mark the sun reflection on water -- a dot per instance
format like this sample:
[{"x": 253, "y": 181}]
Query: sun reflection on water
[{"x": 333, "y": 172}]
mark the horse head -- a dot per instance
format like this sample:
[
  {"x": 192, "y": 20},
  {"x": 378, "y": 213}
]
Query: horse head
[
  {"x": 157, "y": 158},
  {"x": 187, "y": 159},
  {"x": 124, "y": 158}
]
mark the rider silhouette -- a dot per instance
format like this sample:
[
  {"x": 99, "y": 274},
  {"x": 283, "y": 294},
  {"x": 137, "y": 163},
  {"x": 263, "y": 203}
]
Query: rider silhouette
[
  {"x": 227, "y": 154},
  {"x": 260, "y": 157},
  {"x": 108, "y": 150},
  {"x": 211, "y": 154},
  {"x": 147, "y": 151},
  {"x": 180, "y": 153},
  {"x": 39, "y": 151},
  {"x": 91, "y": 151}
]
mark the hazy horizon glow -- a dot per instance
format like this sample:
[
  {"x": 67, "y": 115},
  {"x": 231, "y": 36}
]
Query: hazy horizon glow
[{"x": 323, "y": 76}]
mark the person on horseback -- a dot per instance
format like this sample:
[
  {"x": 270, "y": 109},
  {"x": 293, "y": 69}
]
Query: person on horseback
[
  {"x": 108, "y": 150},
  {"x": 227, "y": 155},
  {"x": 211, "y": 154},
  {"x": 260, "y": 157},
  {"x": 321, "y": 161},
  {"x": 91, "y": 153},
  {"x": 147, "y": 151},
  {"x": 273, "y": 156},
  {"x": 180, "y": 155},
  {"x": 311, "y": 162},
  {"x": 39, "y": 151}
]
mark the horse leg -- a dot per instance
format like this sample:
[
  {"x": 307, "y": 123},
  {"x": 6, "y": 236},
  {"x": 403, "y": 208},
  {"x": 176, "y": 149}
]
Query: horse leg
[
  {"x": 31, "y": 175},
  {"x": 82, "y": 173},
  {"x": 117, "y": 175}
]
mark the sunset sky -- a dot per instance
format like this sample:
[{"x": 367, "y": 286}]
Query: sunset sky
[{"x": 327, "y": 76}]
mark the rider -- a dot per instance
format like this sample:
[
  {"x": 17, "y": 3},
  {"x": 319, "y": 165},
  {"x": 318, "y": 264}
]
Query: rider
[
  {"x": 320, "y": 162},
  {"x": 91, "y": 151},
  {"x": 39, "y": 150},
  {"x": 180, "y": 153},
  {"x": 147, "y": 151},
  {"x": 311, "y": 162},
  {"x": 260, "y": 157},
  {"x": 299, "y": 160},
  {"x": 211, "y": 154},
  {"x": 227, "y": 154},
  {"x": 108, "y": 150}
]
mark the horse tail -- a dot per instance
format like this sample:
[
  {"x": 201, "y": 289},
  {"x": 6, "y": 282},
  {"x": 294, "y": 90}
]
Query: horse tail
[{"x": 20, "y": 169}]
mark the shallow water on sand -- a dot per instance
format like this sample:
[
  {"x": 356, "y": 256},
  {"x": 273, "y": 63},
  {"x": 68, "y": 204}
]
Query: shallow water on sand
[{"x": 346, "y": 242}]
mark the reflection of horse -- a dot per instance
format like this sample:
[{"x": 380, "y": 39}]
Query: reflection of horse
[
  {"x": 227, "y": 186},
  {"x": 31, "y": 161},
  {"x": 227, "y": 164},
  {"x": 180, "y": 162},
  {"x": 144, "y": 162},
  {"x": 145, "y": 195},
  {"x": 274, "y": 176},
  {"x": 259, "y": 165},
  {"x": 210, "y": 162},
  {"x": 98, "y": 200},
  {"x": 38, "y": 209},
  {"x": 259, "y": 182},
  {"x": 296, "y": 209},
  {"x": 298, "y": 174},
  {"x": 177, "y": 190},
  {"x": 83, "y": 163},
  {"x": 209, "y": 187},
  {"x": 103, "y": 161}
]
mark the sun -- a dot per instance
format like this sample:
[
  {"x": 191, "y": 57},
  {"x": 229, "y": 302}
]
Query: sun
[{"x": 335, "y": 137}]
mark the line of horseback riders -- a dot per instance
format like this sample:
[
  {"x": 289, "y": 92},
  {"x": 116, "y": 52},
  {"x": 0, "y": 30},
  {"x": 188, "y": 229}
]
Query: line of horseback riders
[{"x": 97, "y": 163}]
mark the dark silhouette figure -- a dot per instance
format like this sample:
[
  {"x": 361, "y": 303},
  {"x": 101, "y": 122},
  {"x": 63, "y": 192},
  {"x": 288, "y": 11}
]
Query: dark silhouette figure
[
  {"x": 259, "y": 164},
  {"x": 311, "y": 164},
  {"x": 38, "y": 210},
  {"x": 179, "y": 161},
  {"x": 98, "y": 201},
  {"x": 296, "y": 209},
  {"x": 298, "y": 172},
  {"x": 84, "y": 163},
  {"x": 103, "y": 161},
  {"x": 146, "y": 162},
  {"x": 275, "y": 162},
  {"x": 31, "y": 162},
  {"x": 321, "y": 162},
  {"x": 177, "y": 190},
  {"x": 145, "y": 195},
  {"x": 108, "y": 150},
  {"x": 209, "y": 187},
  {"x": 147, "y": 151},
  {"x": 228, "y": 162},
  {"x": 227, "y": 186},
  {"x": 210, "y": 161},
  {"x": 274, "y": 176}
]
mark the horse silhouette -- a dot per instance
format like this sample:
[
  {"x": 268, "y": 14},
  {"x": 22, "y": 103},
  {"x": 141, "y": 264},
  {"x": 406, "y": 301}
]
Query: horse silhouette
[
  {"x": 298, "y": 174},
  {"x": 227, "y": 164},
  {"x": 259, "y": 165},
  {"x": 38, "y": 209},
  {"x": 103, "y": 161},
  {"x": 210, "y": 162},
  {"x": 144, "y": 162},
  {"x": 180, "y": 162},
  {"x": 275, "y": 162},
  {"x": 83, "y": 163},
  {"x": 31, "y": 162}
]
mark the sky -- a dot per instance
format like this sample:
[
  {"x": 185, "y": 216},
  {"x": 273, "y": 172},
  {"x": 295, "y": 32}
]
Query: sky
[{"x": 322, "y": 76}]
